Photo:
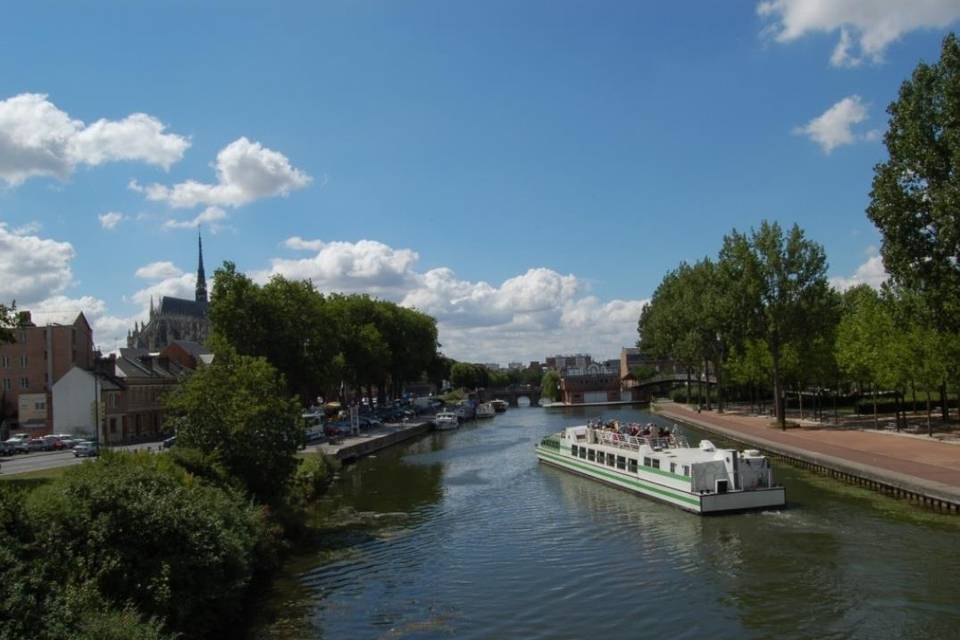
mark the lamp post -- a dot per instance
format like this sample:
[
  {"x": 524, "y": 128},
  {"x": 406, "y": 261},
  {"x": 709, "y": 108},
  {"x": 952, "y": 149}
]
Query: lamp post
[{"x": 716, "y": 372}]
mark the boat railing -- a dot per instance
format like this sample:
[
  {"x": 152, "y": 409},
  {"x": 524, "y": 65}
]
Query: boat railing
[{"x": 626, "y": 441}]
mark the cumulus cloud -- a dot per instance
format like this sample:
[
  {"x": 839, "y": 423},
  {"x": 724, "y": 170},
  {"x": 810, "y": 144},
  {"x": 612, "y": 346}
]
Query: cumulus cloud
[
  {"x": 526, "y": 316},
  {"x": 871, "y": 272},
  {"x": 867, "y": 27},
  {"x": 246, "y": 171},
  {"x": 31, "y": 267},
  {"x": 111, "y": 219},
  {"x": 159, "y": 271},
  {"x": 834, "y": 127},
  {"x": 212, "y": 217},
  {"x": 39, "y": 139}
]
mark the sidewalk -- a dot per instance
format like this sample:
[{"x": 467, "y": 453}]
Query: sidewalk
[{"x": 924, "y": 467}]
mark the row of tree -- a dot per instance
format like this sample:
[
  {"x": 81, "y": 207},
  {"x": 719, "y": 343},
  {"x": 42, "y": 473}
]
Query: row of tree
[
  {"x": 323, "y": 343},
  {"x": 763, "y": 312},
  {"x": 474, "y": 376}
]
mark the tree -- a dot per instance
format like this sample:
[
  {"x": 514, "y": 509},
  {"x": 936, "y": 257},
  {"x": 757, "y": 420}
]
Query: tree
[
  {"x": 550, "y": 385},
  {"x": 784, "y": 287},
  {"x": 914, "y": 195},
  {"x": 8, "y": 321},
  {"x": 238, "y": 408}
]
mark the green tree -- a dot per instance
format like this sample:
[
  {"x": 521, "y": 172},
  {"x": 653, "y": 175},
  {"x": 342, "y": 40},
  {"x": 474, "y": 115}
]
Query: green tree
[
  {"x": 8, "y": 321},
  {"x": 550, "y": 385},
  {"x": 786, "y": 296},
  {"x": 238, "y": 409}
]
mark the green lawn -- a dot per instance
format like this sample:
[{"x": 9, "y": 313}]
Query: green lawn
[{"x": 31, "y": 478}]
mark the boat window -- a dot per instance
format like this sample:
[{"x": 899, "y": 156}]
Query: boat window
[
  {"x": 646, "y": 461},
  {"x": 673, "y": 467},
  {"x": 610, "y": 459},
  {"x": 583, "y": 452},
  {"x": 656, "y": 463},
  {"x": 591, "y": 455},
  {"x": 633, "y": 465},
  {"x": 686, "y": 470},
  {"x": 573, "y": 449},
  {"x": 621, "y": 462}
]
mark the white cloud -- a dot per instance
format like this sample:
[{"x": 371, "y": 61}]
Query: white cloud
[
  {"x": 525, "y": 317},
  {"x": 39, "y": 139},
  {"x": 211, "y": 216},
  {"x": 834, "y": 127},
  {"x": 871, "y": 272},
  {"x": 246, "y": 171},
  {"x": 159, "y": 271},
  {"x": 299, "y": 244},
  {"x": 111, "y": 219},
  {"x": 867, "y": 27},
  {"x": 32, "y": 268}
]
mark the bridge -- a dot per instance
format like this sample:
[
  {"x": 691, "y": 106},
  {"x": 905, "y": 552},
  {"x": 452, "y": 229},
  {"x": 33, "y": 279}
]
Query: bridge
[{"x": 511, "y": 394}]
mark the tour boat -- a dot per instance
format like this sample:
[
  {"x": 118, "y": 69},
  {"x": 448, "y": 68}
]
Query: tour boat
[
  {"x": 446, "y": 420},
  {"x": 486, "y": 410},
  {"x": 659, "y": 464},
  {"x": 499, "y": 405}
]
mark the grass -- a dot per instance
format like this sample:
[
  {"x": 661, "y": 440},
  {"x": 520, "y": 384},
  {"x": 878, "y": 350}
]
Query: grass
[{"x": 30, "y": 479}]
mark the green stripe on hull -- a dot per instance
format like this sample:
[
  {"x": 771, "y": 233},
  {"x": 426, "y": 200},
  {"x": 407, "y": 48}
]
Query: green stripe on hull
[{"x": 656, "y": 491}]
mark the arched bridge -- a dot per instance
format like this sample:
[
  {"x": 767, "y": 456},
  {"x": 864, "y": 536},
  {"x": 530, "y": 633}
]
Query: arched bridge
[{"x": 511, "y": 394}]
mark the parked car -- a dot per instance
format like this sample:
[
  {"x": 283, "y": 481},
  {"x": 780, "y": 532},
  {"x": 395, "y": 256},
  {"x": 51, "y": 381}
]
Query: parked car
[
  {"x": 55, "y": 442},
  {"x": 169, "y": 442},
  {"x": 38, "y": 444},
  {"x": 17, "y": 445},
  {"x": 86, "y": 449},
  {"x": 69, "y": 442},
  {"x": 6, "y": 449}
]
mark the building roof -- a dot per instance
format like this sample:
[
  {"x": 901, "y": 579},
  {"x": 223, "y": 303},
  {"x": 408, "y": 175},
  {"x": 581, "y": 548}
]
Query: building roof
[
  {"x": 195, "y": 349},
  {"x": 181, "y": 307}
]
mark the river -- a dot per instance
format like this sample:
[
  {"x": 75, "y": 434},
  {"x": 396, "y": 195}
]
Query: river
[{"x": 477, "y": 540}]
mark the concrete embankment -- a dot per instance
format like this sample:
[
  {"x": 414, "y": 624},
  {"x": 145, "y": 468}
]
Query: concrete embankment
[
  {"x": 921, "y": 471},
  {"x": 351, "y": 448}
]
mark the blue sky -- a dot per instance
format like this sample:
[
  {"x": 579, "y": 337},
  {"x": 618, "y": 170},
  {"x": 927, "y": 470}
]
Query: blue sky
[{"x": 527, "y": 172}]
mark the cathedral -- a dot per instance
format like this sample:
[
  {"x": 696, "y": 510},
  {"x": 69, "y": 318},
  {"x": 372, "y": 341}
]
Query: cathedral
[{"x": 175, "y": 318}]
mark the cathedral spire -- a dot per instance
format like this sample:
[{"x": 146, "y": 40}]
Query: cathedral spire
[{"x": 201, "y": 277}]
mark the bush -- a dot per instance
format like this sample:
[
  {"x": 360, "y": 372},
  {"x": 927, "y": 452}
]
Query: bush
[{"x": 144, "y": 532}]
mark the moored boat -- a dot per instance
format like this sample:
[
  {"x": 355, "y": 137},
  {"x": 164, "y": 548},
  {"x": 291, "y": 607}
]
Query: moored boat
[
  {"x": 446, "y": 420},
  {"x": 499, "y": 405},
  {"x": 486, "y": 410},
  {"x": 659, "y": 464}
]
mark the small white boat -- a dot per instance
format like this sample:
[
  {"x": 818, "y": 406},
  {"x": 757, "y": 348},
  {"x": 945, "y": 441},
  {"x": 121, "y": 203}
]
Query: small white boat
[
  {"x": 700, "y": 479},
  {"x": 486, "y": 410},
  {"x": 499, "y": 405},
  {"x": 446, "y": 420}
]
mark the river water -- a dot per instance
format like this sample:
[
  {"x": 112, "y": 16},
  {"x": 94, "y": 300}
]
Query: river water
[{"x": 477, "y": 540}]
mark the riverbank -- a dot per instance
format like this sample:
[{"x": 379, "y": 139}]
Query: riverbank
[
  {"x": 926, "y": 472},
  {"x": 350, "y": 448}
]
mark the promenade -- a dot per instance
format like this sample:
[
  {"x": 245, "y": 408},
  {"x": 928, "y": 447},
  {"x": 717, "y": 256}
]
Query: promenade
[{"x": 926, "y": 471}]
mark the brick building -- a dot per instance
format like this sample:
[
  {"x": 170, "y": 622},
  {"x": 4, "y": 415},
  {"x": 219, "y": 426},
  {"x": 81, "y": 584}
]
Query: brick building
[{"x": 29, "y": 366}]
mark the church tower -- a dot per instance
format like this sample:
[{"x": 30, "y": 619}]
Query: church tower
[{"x": 201, "y": 277}]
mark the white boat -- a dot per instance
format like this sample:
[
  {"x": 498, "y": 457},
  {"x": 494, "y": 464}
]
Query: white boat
[
  {"x": 701, "y": 479},
  {"x": 446, "y": 420},
  {"x": 499, "y": 405},
  {"x": 486, "y": 410}
]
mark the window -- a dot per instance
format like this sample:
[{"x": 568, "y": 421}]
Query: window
[
  {"x": 40, "y": 406},
  {"x": 114, "y": 397},
  {"x": 673, "y": 467},
  {"x": 656, "y": 463},
  {"x": 621, "y": 462},
  {"x": 591, "y": 455},
  {"x": 573, "y": 450},
  {"x": 24, "y": 382},
  {"x": 583, "y": 452},
  {"x": 23, "y": 361},
  {"x": 646, "y": 461},
  {"x": 610, "y": 459},
  {"x": 113, "y": 425},
  {"x": 633, "y": 465},
  {"x": 686, "y": 470},
  {"x": 6, "y": 384},
  {"x": 4, "y": 361}
]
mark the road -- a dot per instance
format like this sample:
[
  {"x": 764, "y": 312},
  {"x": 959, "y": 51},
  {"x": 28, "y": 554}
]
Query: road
[{"x": 51, "y": 459}]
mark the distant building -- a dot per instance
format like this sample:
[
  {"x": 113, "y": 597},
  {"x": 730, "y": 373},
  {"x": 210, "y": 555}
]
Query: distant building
[
  {"x": 175, "y": 318},
  {"x": 562, "y": 363},
  {"x": 120, "y": 401},
  {"x": 515, "y": 366},
  {"x": 31, "y": 364},
  {"x": 632, "y": 358},
  {"x": 187, "y": 354},
  {"x": 492, "y": 366},
  {"x": 598, "y": 388}
]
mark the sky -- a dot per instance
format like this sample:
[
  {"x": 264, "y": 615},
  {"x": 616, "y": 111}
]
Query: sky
[{"x": 525, "y": 172}]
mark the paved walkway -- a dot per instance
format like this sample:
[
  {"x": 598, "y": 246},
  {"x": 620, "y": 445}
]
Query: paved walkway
[{"x": 921, "y": 463}]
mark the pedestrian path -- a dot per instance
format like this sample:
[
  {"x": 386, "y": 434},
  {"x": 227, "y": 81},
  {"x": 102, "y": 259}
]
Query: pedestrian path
[{"x": 928, "y": 468}]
